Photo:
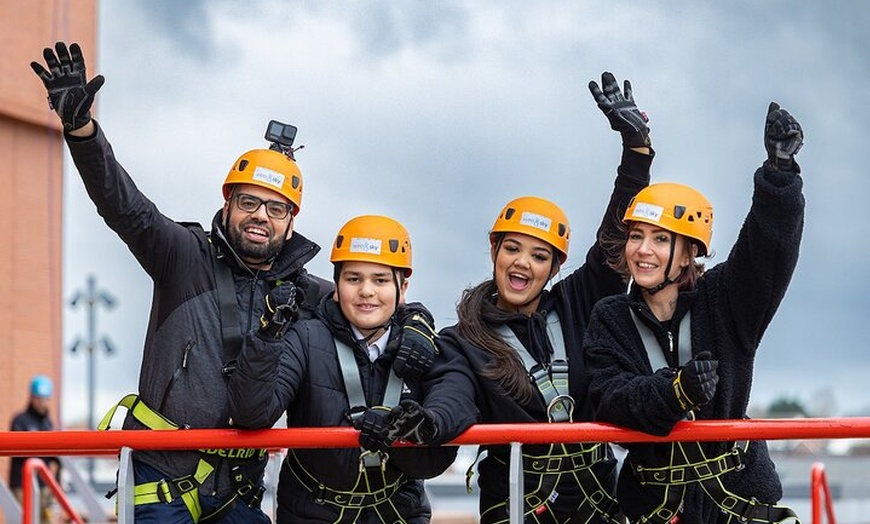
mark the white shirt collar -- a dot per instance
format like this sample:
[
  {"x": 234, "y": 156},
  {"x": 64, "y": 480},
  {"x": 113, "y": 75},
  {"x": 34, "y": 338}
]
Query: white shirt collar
[{"x": 376, "y": 347}]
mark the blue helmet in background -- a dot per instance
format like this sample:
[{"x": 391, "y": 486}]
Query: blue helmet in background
[{"x": 41, "y": 386}]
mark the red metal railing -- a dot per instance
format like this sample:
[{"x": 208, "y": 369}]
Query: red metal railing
[
  {"x": 820, "y": 494},
  {"x": 110, "y": 442},
  {"x": 35, "y": 466}
]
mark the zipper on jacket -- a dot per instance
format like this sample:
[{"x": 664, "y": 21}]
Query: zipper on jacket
[
  {"x": 178, "y": 371},
  {"x": 251, "y": 301},
  {"x": 675, "y": 362}
]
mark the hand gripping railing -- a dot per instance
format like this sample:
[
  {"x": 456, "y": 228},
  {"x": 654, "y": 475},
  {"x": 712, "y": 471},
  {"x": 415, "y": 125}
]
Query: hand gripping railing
[
  {"x": 42, "y": 443},
  {"x": 30, "y": 506}
]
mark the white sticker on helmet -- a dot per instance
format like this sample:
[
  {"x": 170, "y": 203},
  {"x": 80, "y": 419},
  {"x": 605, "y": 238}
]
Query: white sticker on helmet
[
  {"x": 535, "y": 220},
  {"x": 371, "y": 246},
  {"x": 648, "y": 211},
  {"x": 268, "y": 176}
]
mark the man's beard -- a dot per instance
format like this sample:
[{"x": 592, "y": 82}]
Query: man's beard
[{"x": 250, "y": 251}]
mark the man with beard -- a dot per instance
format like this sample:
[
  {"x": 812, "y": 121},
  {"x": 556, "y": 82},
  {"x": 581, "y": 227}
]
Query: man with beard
[{"x": 210, "y": 287}]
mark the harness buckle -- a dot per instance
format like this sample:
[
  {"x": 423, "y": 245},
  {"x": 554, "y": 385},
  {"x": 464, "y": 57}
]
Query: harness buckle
[
  {"x": 748, "y": 510},
  {"x": 371, "y": 459},
  {"x": 184, "y": 484},
  {"x": 561, "y": 409},
  {"x": 257, "y": 498},
  {"x": 737, "y": 451},
  {"x": 539, "y": 373},
  {"x": 162, "y": 491}
]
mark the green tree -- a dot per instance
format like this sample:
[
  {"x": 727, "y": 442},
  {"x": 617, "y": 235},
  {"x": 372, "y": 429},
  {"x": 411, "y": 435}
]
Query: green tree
[{"x": 786, "y": 407}]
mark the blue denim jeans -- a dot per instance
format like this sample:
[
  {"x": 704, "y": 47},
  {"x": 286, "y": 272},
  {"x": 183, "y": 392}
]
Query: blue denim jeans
[{"x": 176, "y": 512}]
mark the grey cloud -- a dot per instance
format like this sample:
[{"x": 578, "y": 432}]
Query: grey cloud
[{"x": 438, "y": 113}]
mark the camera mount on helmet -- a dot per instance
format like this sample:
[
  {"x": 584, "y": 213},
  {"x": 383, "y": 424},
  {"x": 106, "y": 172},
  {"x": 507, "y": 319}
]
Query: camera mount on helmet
[{"x": 281, "y": 137}]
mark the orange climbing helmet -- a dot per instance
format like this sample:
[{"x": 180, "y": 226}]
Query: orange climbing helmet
[
  {"x": 675, "y": 207},
  {"x": 269, "y": 169},
  {"x": 373, "y": 238},
  {"x": 536, "y": 217}
]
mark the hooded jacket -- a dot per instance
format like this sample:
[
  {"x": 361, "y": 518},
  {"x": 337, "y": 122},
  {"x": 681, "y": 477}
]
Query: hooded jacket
[
  {"x": 731, "y": 307},
  {"x": 183, "y": 360},
  {"x": 301, "y": 375},
  {"x": 572, "y": 298}
]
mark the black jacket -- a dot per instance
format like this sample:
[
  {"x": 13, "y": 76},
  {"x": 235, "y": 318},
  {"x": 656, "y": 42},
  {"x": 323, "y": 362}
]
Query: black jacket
[
  {"x": 572, "y": 298},
  {"x": 301, "y": 375},
  {"x": 28, "y": 420},
  {"x": 181, "y": 373},
  {"x": 731, "y": 306}
]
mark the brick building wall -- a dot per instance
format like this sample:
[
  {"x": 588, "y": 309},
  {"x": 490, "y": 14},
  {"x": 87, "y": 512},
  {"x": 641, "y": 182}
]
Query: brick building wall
[{"x": 31, "y": 189}]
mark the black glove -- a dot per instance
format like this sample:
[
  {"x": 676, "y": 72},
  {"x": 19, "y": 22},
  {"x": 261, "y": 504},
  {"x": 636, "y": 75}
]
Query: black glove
[
  {"x": 281, "y": 310},
  {"x": 783, "y": 138},
  {"x": 68, "y": 94},
  {"x": 417, "y": 349},
  {"x": 620, "y": 109},
  {"x": 374, "y": 429},
  {"x": 695, "y": 383},
  {"x": 412, "y": 422}
]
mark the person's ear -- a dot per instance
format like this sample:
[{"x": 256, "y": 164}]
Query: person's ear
[
  {"x": 289, "y": 228},
  {"x": 403, "y": 287},
  {"x": 691, "y": 253},
  {"x": 493, "y": 250},
  {"x": 225, "y": 211},
  {"x": 555, "y": 269}
]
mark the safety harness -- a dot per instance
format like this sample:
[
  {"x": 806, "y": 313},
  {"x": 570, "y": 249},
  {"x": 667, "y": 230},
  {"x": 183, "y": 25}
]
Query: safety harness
[
  {"x": 689, "y": 464},
  {"x": 542, "y": 473},
  {"x": 372, "y": 489},
  {"x": 241, "y": 460},
  {"x": 187, "y": 487}
]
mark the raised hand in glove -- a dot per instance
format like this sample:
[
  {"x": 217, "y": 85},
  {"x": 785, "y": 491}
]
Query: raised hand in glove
[
  {"x": 417, "y": 348},
  {"x": 783, "y": 138},
  {"x": 281, "y": 310},
  {"x": 412, "y": 422},
  {"x": 620, "y": 109},
  {"x": 695, "y": 383},
  {"x": 69, "y": 92},
  {"x": 374, "y": 428}
]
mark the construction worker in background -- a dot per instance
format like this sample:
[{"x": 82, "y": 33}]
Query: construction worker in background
[
  {"x": 681, "y": 343},
  {"x": 522, "y": 337},
  {"x": 209, "y": 289},
  {"x": 368, "y": 360},
  {"x": 35, "y": 418}
]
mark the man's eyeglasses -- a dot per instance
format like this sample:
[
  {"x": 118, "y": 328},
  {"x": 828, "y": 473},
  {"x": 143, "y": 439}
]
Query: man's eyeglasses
[{"x": 274, "y": 208}]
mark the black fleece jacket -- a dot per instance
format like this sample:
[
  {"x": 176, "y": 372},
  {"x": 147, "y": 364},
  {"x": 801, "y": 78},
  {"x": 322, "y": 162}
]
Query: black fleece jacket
[{"x": 731, "y": 306}]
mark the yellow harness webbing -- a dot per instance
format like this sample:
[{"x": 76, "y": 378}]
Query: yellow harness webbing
[
  {"x": 187, "y": 487},
  {"x": 688, "y": 465},
  {"x": 161, "y": 491},
  {"x": 141, "y": 412},
  {"x": 375, "y": 495}
]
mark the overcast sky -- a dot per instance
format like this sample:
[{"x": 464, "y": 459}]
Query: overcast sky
[{"x": 438, "y": 113}]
